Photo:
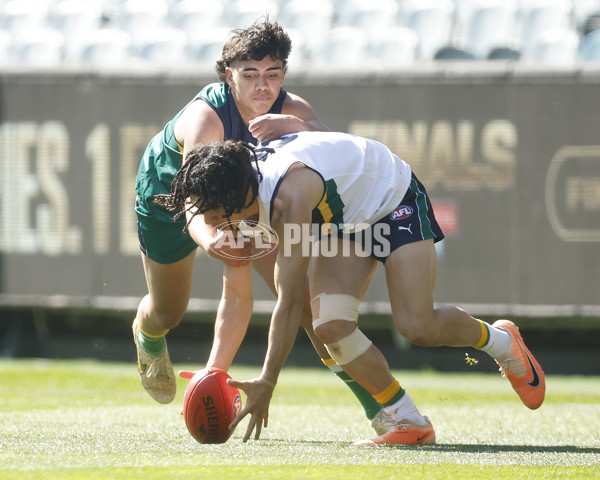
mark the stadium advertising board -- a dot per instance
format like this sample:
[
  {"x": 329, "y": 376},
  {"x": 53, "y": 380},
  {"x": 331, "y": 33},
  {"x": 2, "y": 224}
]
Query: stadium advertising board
[{"x": 511, "y": 161}]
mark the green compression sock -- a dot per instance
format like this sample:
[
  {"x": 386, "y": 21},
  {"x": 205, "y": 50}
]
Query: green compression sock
[
  {"x": 367, "y": 401},
  {"x": 152, "y": 345}
]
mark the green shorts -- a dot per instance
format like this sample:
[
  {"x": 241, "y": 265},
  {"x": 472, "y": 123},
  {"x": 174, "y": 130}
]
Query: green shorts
[
  {"x": 163, "y": 242},
  {"x": 161, "y": 239}
]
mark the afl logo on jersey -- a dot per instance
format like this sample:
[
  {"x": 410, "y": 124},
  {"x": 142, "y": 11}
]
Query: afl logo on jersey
[{"x": 402, "y": 212}]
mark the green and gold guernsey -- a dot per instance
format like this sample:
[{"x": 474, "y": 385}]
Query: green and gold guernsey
[
  {"x": 364, "y": 181},
  {"x": 163, "y": 156}
]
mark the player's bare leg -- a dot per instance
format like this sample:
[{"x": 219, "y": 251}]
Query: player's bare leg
[
  {"x": 265, "y": 267},
  {"x": 411, "y": 272},
  {"x": 335, "y": 281},
  {"x": 169, "y": 287}
]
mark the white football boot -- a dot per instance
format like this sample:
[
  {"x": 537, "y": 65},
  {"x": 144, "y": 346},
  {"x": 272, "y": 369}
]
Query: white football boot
[
  {"x": 156, "y": 371},
  {"x": 383, "y": 422}
]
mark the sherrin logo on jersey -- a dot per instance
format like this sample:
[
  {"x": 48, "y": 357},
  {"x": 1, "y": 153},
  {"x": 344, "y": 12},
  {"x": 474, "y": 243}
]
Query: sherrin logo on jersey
[{"x": 402, "y": 212}]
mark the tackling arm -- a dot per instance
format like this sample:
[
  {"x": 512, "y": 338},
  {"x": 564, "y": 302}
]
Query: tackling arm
[
  {"x": 296, "y": 116},
  {"x": 199, "y": 124}
]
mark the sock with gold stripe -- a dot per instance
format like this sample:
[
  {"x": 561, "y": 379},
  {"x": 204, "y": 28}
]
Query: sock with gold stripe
[
  {"x": 494, "y": 341},
  {"x": 390, "y": 395},
  {"x": 369, "y": 404},
  {"x": 154, "y": 345}
]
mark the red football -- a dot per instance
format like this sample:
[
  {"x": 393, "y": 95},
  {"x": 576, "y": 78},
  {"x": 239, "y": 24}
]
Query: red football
[{"x": 209, "y": 405}]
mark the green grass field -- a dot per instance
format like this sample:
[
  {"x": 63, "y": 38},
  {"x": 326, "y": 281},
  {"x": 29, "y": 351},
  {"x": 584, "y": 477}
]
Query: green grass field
[{"x": 78, "y": 420}]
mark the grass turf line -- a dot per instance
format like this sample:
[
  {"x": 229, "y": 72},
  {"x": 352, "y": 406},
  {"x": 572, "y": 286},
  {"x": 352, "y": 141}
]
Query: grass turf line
[{"x": 93, "y": 420}]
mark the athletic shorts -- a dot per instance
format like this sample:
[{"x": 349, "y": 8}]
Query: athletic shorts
[
  {"x": 411, "y": 221},
  {"x": 161, "y": 240}
]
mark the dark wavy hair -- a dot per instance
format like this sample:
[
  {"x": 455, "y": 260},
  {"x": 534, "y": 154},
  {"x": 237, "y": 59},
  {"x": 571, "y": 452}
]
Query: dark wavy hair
[
  {"x": 255, "y": 43},
  {"x": 219, "y": 174}
]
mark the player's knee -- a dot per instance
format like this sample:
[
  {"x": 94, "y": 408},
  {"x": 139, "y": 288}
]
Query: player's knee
[
  {"x": 349, "y": 348},
  {"x": 335, "y": 316},
  {"x": 335, "y": 323},
  {"x": 418, "y": 331},
  {"x": 331, "y": 331},
  {"x": 160, "y": 314},
  {"x": 168, "y": 319},
  {"x": 419, "y": 338}
]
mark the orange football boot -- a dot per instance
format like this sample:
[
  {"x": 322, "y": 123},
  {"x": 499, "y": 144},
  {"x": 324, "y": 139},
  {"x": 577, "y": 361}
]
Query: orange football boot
[
  {"x": 522, "y": 369},
  {"x": 404, "y": 434}
]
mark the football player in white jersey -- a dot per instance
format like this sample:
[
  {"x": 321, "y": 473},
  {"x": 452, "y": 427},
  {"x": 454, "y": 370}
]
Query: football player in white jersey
[{"x": 341, "y": 204}]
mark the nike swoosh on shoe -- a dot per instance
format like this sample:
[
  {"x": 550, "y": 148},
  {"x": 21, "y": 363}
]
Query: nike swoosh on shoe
[{"x": 535, "y": 382}]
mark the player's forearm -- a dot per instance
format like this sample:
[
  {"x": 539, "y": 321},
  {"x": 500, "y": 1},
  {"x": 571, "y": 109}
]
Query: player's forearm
[
  {"x": 231, "y": 324},
  {"x": 313, "y": 125},
  {"x": 295, "y": 124},
  {"x": 282, "y": 335},
  {"x": 233, "y": 315}
]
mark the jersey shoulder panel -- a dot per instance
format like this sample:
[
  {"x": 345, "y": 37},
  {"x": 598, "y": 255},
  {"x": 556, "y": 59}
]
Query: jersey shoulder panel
[{"x": 215, "y": 94}]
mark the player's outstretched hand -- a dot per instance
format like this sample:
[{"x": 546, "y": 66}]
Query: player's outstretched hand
[{"x": 258, "y": 397}]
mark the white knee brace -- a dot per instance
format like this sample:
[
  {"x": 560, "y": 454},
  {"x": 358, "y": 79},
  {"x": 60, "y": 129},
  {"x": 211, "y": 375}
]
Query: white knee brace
[
  {"x": 336, "y": 306},
  {"x": 349, "y": 348},
  {"x": 342, "y": 307}
]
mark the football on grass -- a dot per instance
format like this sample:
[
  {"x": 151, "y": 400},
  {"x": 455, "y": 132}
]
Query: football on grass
[{"x": 209, "y": 405}]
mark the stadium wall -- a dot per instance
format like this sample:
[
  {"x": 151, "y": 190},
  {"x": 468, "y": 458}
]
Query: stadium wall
[{"x": 510, "y": 156}]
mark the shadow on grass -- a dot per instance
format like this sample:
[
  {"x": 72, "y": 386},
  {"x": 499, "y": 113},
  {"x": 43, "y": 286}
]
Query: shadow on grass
[
  {"x": 462, "y": 448},
  {"x": 483, "y": 448}
]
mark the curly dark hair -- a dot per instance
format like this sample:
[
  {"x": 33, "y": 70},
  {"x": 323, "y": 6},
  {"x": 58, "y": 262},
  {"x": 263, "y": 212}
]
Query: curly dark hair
[
  {"x": 255, "y": 43},
  {"x": 219, "y": 174}
]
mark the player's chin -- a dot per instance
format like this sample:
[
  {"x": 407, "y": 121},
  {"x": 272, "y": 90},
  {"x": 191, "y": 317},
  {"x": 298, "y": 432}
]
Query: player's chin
[{"x": 262, "y": 107}]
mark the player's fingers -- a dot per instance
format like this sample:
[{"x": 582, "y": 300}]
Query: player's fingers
[
  {"x": 238, "y": 418},
  {"x": 256, "y": 134},
  {"x": 255, "y": 123},
  {"x": 237, "y": 384},
  {"x": 248, "y": 431},
  {"x": 186, "y": 374},
  {"x": 258, "y": 430}
]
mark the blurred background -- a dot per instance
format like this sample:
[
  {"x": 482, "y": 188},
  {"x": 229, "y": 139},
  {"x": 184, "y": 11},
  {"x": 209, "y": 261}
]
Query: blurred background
[
  {"x": 495, "y": 103},
  {"x": 357, "y": 33}
]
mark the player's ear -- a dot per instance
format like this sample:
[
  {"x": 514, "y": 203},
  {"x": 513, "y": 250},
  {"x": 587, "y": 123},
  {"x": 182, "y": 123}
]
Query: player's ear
[{"x": 228, "y": 76}]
